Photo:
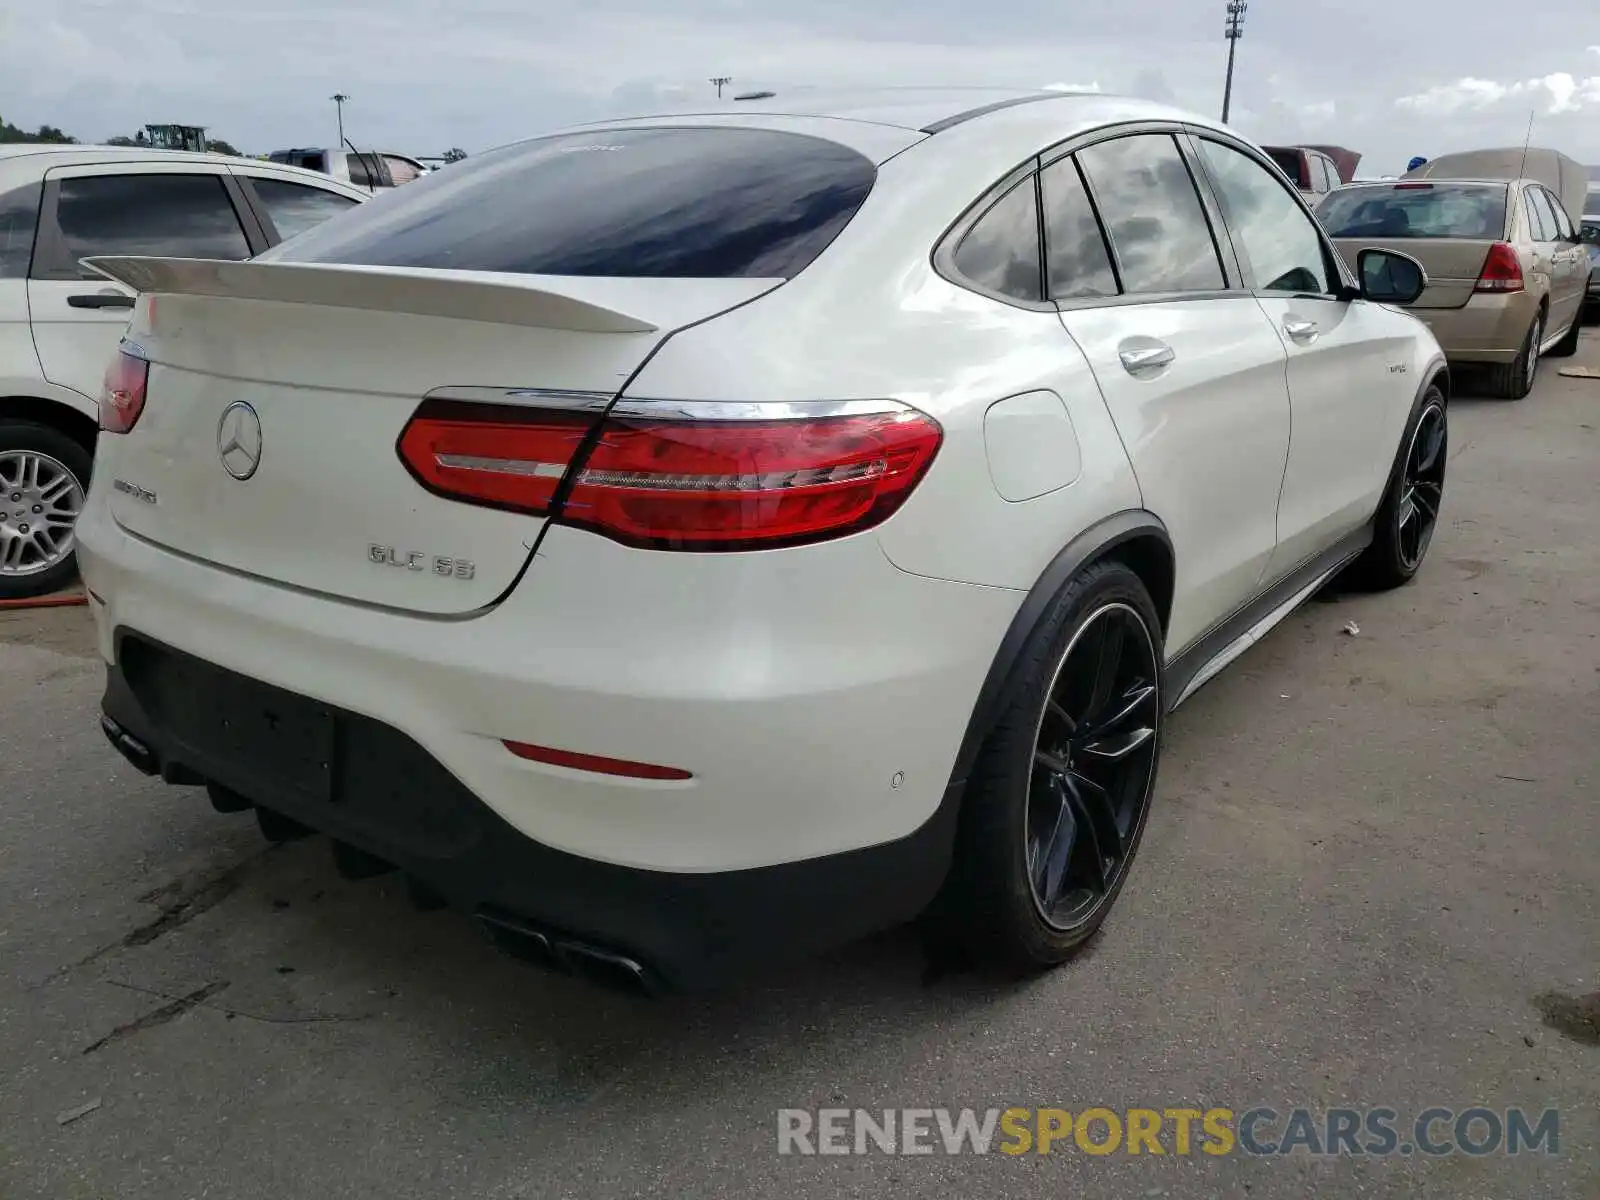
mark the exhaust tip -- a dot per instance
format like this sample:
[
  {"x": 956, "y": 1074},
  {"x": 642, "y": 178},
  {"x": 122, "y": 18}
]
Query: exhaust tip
[
  {"x": 609, "y": 969},
  {"x": 130, "y": 747}
]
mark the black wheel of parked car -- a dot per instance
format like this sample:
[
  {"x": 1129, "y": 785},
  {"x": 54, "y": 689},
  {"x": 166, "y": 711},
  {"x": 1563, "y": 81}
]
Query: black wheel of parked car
[
  {"x": 1058, "y": 801},
  {"x": 1568, "y": 345},
  {"x": 44, "y": 476},
  {"x": 1409, "y": 513},
  {"x": 1514, "y": 380}
]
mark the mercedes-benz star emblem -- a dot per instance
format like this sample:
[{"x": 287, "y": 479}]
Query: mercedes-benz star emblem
[{"x": 239, "y": 440}]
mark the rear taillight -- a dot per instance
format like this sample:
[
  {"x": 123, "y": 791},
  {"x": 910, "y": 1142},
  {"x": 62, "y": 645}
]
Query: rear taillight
[
  {"x": 122, "y": 392},
  {"x": 680, "y": 476},
  {"x": 1502, "y": 270}
]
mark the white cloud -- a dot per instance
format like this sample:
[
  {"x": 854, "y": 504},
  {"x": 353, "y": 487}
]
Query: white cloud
[{"x": 1558, "y": 92}]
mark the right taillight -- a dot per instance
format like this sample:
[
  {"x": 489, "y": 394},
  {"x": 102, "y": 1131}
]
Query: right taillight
[
  {"x": 122, "y": 393},
  {"x": 680, "y": 476},
  {"x": 1502, "y": 270}
]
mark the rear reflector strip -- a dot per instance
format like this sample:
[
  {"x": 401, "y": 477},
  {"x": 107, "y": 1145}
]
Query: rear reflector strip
[{"x": 596, "y": 763}]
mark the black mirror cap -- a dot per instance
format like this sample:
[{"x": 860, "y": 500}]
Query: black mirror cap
[{"x": 1389, "y": 277}]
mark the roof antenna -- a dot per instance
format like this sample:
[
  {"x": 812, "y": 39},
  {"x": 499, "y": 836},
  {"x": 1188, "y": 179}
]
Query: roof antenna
[{"x": 1522, "y": 167}]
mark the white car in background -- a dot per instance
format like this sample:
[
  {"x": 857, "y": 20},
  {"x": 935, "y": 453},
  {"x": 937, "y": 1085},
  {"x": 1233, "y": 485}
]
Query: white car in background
[
  {"x": 59, "y": 323},
  {"x": 687, "y": 543}
]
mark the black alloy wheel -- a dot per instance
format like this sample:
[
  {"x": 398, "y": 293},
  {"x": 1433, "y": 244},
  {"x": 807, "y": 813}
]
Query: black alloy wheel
[{"x": 1094, "y": 762}]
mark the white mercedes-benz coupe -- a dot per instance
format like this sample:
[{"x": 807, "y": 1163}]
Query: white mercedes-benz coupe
[{"x": 688, "y": 542}]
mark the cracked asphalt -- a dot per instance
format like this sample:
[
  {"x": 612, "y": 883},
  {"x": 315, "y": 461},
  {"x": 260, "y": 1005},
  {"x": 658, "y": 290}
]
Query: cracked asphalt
[{"x": 1372, "y": 878}]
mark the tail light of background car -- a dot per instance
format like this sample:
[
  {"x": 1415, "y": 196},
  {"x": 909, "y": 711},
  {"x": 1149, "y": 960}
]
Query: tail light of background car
[
  {"x": 123, "y": 391},
  {"x": 694, "y": 476},
  {"x": 1502, "y": 270}
]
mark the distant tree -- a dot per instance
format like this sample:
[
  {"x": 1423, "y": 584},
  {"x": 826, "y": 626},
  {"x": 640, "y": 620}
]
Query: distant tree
[
  {"x": 454, "y": 154},
  {"x": 45, "y": 133},
  {"x": 218, "y": 146},
  {"x": 121, "y": 141}
]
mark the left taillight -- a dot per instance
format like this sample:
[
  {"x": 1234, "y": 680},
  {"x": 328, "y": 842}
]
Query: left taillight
[
  {"x": 689, "y": 476},
  {"x": 122, "y": 394}
]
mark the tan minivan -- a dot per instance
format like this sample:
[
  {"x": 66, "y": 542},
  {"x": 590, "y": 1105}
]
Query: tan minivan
[{"x": 1506, "y": 267}]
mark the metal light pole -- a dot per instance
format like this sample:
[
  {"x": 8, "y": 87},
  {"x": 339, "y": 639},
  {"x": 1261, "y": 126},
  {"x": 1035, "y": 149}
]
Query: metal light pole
[
  {"x": 1234, "y": 31},
  {"x": 721, "y": 81},
  {"x": 339, "y": 98}
]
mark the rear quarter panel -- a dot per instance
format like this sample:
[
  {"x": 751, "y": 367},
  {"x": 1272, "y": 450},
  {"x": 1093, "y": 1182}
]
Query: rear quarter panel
[{"x": 876, "y": 320}]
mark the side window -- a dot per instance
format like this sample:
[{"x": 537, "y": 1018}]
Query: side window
[
  {"x": 1559, "y": 211},
  {"x": 1280, "y": 240},
  {"x": 1001, "y": 250},
  {"x": 1153, "y": 215},
  {"x": 400, "y": 170},
  {"x": 1540, "y": 217},
  {"x": 360, "y": 170},
  {"x": 1329, "y": 177},
  {"x": 294, "y": 207},
  {"x": 1076, "y": 259},
  {"x": 19, "y": 216},
  {"x": 176, "y": 216}
]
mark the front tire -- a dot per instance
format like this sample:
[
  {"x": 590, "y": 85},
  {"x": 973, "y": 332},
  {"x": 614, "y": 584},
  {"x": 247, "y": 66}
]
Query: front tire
[
  {"x": 44, "y": 477},
  {"x": 1409, "y": 512},
  {"x": 1057, "y": 804}
]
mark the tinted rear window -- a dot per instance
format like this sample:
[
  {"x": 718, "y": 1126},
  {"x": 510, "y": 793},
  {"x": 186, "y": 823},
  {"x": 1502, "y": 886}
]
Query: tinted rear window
[
  {"x": 1289, "y": 161},
  {"x": 19, "y": 213},
  {"x": 664, "y": 202},
  {"x": 1437, "y": 211}
]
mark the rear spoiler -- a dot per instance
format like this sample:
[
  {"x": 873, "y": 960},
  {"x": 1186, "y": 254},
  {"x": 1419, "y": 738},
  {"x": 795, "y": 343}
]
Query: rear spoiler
[{"x": 469, "y": 295}]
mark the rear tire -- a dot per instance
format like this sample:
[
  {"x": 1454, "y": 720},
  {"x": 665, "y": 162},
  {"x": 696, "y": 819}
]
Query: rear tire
[
  {"x": 1408, "y": 515},
  {"x": 43, "y": 474},
  {"x": 1514, "y": 380},
  {"x": 1044, "y": 848},
  {"x": 1568, "y": 345}
]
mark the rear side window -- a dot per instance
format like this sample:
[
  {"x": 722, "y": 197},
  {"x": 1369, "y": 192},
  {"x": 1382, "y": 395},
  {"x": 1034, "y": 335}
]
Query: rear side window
[
  {"x": 1001, "y": 250},
  {"x": 19, "y": 216},
  {"x": 1153, "y": 215},
  {"x": 660, "y": 202},
  {"x": 1076, "y": 256},
  {"x": 1540, "y": 216},
  {"x": 295, "y": 208},
  {"x": 1438, "y": 210},
  {"x": 170, "y": 216},
  {"x": 1558, "y": 211}
]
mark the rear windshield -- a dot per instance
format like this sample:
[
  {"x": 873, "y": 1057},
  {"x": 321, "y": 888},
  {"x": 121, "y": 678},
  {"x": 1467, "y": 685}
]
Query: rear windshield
[
  {"x": 1438, "y": 210},
  {"x": 661, "y": 202},
  {"x": 1289, "y": 161}
]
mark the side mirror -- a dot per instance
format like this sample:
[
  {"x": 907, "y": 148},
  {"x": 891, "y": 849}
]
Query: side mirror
[{"x": 1388, "y": 277}]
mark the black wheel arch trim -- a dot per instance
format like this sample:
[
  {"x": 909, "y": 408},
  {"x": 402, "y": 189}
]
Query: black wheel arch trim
[{"x": 1002, "y": 680}]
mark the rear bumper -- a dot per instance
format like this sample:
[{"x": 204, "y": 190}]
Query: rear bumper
[
  {"x": 1487, "y": 329},
  {"x": 818, "y": 696},
  {"x": 653, "y": 931}
]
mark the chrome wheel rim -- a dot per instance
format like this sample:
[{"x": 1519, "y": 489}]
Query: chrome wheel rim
[
  {"x": 1422, "y": 486},
  {"x": 1535, "y": 338},
  {"x": 1093, "y": 766},
  {"x": 40, "y": 500}
]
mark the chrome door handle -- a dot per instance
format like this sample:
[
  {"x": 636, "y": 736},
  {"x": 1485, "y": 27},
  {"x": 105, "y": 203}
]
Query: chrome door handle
[
  {"x": 1145, "y": 358},
  {"x": 1299, "y": 329}
]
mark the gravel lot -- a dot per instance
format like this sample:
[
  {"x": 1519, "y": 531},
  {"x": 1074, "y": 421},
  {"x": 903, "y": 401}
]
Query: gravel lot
[{"x": 1372, "y": 879}]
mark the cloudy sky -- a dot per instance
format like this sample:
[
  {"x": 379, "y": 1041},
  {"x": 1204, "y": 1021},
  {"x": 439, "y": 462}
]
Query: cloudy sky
[{"x": 1390, "y": 78}]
